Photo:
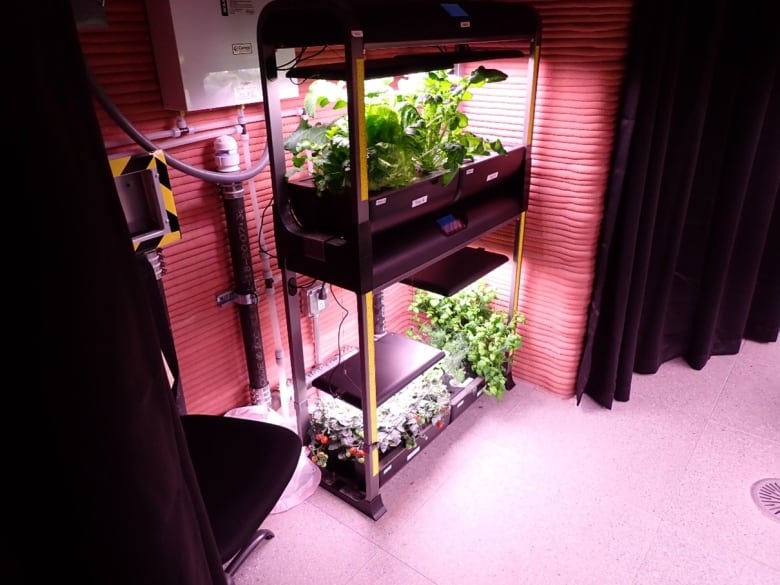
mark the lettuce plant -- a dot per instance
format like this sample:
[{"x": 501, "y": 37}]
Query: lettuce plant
[{"x": 411, "y": 131}]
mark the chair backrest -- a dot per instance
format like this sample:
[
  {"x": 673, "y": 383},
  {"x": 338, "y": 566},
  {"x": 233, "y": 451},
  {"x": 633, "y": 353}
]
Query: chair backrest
[{"x": 243, "y": 467}]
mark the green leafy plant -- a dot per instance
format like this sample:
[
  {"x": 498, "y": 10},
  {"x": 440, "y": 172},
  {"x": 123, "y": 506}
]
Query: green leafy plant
[
  {"x": 412, "y": 130},
  {"x": 336, "y": 427},
  {"x": 431, "y": 116},
  {"x": 469, "y": 324}
]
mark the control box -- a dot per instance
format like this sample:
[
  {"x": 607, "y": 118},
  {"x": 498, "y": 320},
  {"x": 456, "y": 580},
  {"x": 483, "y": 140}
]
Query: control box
[
  {"x": 314, "y": 301},
  {"x": 144, "y": 188},
  {"x": 207, "y": 54}
]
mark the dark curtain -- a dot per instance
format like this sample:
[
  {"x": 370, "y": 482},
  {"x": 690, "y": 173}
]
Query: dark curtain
[
  {"x": 688, "y": 263},
  {"x": 118, "y": 501}
]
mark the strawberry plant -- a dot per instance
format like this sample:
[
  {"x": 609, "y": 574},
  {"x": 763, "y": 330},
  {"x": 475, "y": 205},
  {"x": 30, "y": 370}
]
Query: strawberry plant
[{"x": 336, "y": 427}]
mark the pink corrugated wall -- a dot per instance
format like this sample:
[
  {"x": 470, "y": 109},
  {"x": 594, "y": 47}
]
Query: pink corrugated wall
[{"x": 581, "y": 70}]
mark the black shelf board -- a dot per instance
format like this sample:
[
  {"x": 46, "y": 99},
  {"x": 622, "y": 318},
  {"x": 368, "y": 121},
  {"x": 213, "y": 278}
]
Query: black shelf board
[
  {"x": 403, "y": 64},
  {"x": 406, "y": 250},
  {"x": 456, "y": 271},
  {"x": 396, "y": 253},
  {"x": 395, "y": 23}
]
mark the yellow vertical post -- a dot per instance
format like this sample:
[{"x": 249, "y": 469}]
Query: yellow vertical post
[{"x": 533, "y": 72}]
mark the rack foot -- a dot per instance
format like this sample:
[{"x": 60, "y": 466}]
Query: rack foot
[{"x": 355, "y": 497}]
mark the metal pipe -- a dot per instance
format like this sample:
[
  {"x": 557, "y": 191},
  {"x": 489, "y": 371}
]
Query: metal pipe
[
  {"x": 245, "y": 290},
  {"x": 183, "y": 140},
  {"x": 380, "y": 327}
]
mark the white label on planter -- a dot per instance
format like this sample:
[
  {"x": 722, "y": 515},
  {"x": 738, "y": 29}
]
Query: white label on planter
[
  {"x": 419, "y": 201},
  {"x": 469, "y": 171},
  {"x": 459, "y": 404},
  {"x": 479, "y": 392},
  {"x": 380, "y": 201},
  {"x": 413, "y": 453},
  {"x": 388, "y": 468},
  {"x": 491, "y": 176}
]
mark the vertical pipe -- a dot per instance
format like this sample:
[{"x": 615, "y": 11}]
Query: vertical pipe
[
  {"x": 245, "y": 290},
  {"x": 380, "y": 327}
]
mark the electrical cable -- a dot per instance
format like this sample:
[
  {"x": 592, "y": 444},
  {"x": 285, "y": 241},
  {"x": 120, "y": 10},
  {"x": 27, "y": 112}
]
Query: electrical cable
[
  {"x": 219, "y": 178},
  {"x": 263, "y": 248},
  {"x": 344, "y": 316},
  {"x": 135, "y": 134}
]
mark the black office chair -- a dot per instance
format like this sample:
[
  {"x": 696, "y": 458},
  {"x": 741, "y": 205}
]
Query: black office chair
[{"x": 243, "y": 467}]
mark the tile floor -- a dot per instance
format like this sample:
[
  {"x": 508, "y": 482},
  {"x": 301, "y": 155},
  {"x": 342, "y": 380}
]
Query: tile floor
[{"x": 535, "y": 490}]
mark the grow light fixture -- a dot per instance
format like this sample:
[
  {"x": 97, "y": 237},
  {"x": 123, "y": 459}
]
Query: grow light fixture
[
  {"x": 432, "y": 35},
  {"x": 456, "y": 271},
  {"x": 404, "y": 64},
  {"x": 399, "y": 360}
]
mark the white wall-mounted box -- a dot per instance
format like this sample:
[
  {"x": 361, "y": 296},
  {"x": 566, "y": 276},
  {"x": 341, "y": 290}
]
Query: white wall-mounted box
[{"x": 207, "y": 55}]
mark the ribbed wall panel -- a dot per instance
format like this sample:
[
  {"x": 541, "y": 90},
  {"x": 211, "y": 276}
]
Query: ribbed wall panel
[
  {"x": 580, "y": 76},
  {"x": 397, "y": 298},
  {"x": 581, "y": 72}
]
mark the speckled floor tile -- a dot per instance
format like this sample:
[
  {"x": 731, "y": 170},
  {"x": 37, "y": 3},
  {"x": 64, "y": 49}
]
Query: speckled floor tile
[{"x": 537, "y": 490}]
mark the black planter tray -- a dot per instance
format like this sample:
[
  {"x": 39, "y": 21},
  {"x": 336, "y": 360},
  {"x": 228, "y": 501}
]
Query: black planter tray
[
  {"x": 346, "y": 478},
  {"x": 465, "y": 395},
  {"x": 331, "y": 212},
  {"x": 396, "y": 458},
  {"x": 491, "y": 170}
]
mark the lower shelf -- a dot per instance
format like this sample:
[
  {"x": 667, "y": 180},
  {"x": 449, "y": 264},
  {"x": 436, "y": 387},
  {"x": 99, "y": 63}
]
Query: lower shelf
[{"x": 346, "y": 478}]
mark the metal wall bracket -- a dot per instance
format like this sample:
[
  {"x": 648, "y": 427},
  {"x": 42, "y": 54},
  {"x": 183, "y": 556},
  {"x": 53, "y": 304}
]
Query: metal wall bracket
[
  {"x": 226, "y": 298},
  {"x": 230, "y": 296}
]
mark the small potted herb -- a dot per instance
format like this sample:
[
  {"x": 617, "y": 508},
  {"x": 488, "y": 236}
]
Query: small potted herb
[{"x": 468, "y": 324}]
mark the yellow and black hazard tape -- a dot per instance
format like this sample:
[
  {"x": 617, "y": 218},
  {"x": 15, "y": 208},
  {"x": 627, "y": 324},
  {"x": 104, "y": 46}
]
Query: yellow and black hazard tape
[{"x": 153, "y": 161}]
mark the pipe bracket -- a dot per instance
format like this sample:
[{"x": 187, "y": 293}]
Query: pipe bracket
[{"x": 229, "y": 297}]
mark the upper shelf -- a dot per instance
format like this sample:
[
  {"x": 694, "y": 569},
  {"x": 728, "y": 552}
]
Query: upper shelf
[
  {"x": 392, "y": 24},
  {"x": 366, "y": 241}
]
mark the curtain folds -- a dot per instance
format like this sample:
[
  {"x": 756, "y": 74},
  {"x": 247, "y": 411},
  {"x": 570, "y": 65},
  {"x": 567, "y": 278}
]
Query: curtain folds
[
  {"x": 120, "y": 496},
  {"x": 688, "y": 262}
]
